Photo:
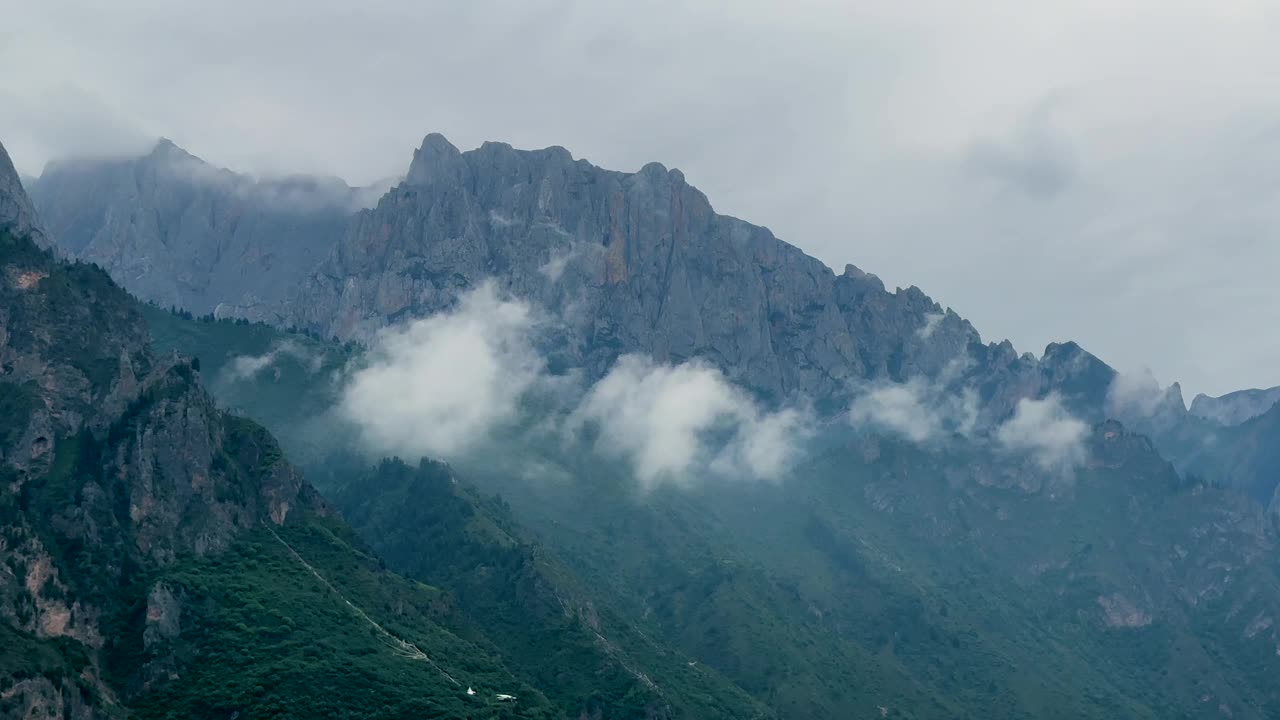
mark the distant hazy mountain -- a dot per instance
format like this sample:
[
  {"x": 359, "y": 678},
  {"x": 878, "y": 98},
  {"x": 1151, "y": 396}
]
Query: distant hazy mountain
[
  {"x": 177, "y": 231},
  {"x": 1236, "y": 407}
]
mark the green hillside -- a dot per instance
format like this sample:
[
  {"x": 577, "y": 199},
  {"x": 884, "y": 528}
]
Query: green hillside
[{"x": 951, "y": 582}]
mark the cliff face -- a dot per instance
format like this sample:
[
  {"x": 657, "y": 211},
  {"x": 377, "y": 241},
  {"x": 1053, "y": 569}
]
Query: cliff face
[
  {"x": 622, "y": 262},
  {"x": 619, "y": 262},
  {"x": 17, "y": 215},
  {"x": 175, "y": 230},
  {"x": 630, "y": 262}
]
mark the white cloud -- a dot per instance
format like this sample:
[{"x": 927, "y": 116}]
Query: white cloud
[
  {"x": 554, "y": 267},
  {"x": 500, "y": 220},
  {"x": 572, "y": 254},
  {"x": 247, "y": 367},
  {"x": 295, "y": 193},
  {"x": 444, "y": 385},
  {"x": 898, "y": 408},
  {"x": 674, "y": 422},
  {"x": 766, "y": 443},
  {"x": 441, "y": 385},
  {"x": 47, "y": 121},
  {"x": 1048, "y": 433},
  {"x": 931, "y": 321},
  {"x": 1134, "y": 395},
  {"x": 918, "y": 410}
]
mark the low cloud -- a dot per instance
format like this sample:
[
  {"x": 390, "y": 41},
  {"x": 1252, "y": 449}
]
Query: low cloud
[
  {"x": 290, "y": 193},
  {"x": 674, "y": 422},
  {"x": 918, "y": 410},
  {"x": 40, "y": 122},
  {"x": 247, "y": 367},
  {"x": 1136, "y": 396},
  {"x": 500, "y": 220},
  {"x": 446, "y": 385},
  {"x": 931, "y": 322},
  {"x": 554, "y": 267},
  {"x": 1044, "y": 430},
  {"x": 367, "y": 196},
  {"x": 296, "y": 193},
  {"x": 441, "y": 385},
  {"x": 573, "y": 254}
]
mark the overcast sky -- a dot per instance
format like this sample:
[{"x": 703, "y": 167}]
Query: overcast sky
[{"x": 1100, "y": 170}]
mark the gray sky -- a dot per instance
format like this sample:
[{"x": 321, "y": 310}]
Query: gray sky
[{"x": 1106, "y": 171}]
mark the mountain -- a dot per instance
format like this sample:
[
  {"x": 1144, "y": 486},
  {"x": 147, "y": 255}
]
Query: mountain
[
  {"x": 161, "y": 559},
  {"x": 1042, "y": 560},
  {"x": 17, "y": 215},
  {"x": 1231, "y": 444},
  {"x": 174, "y": 230},
  {"x": 1246, "y": 456},
  {"x": 555, "y": 630},
  {"x": 625, "y": 262},
  {"x": 939, "y": 581},
  {"x": 288, "y": 381},
  {"x": 639, "y": 262},
  {"x": 631, "y": 261},
  {"x": 1235, "y": 407},
  {"x": 430, "y": 526}
]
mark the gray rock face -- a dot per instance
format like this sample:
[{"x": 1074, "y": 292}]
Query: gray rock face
[
  {"x": 177, "y": 231},
  {"x": 625, "y": 262},
  {"x": 1237, "y": 407},
  {"x": 164, "y": 615},
  {"x": 17, "y": 214},
  {"x": 631, "y": 262}
]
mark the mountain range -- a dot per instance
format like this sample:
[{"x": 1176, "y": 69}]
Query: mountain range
[
  {"x": 961, "y": 530},
  {"x": 625, "y": 263}
]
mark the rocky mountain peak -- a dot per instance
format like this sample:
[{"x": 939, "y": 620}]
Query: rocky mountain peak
[
  {"x": 856, "y": 274},
  {"x": 654, "y": 169},
  {"x": 437, "y": 161},
  {"x": 17, "y": 214},
  {"x": 166, "y": 148},
  {"x": 1236, "y": 407}
]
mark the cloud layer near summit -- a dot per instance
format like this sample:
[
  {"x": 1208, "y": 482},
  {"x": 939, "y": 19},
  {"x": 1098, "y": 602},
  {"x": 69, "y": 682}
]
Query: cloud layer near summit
[
  {"x": 1107, "y": 172},
  {"x": 448, "y": 384}
]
